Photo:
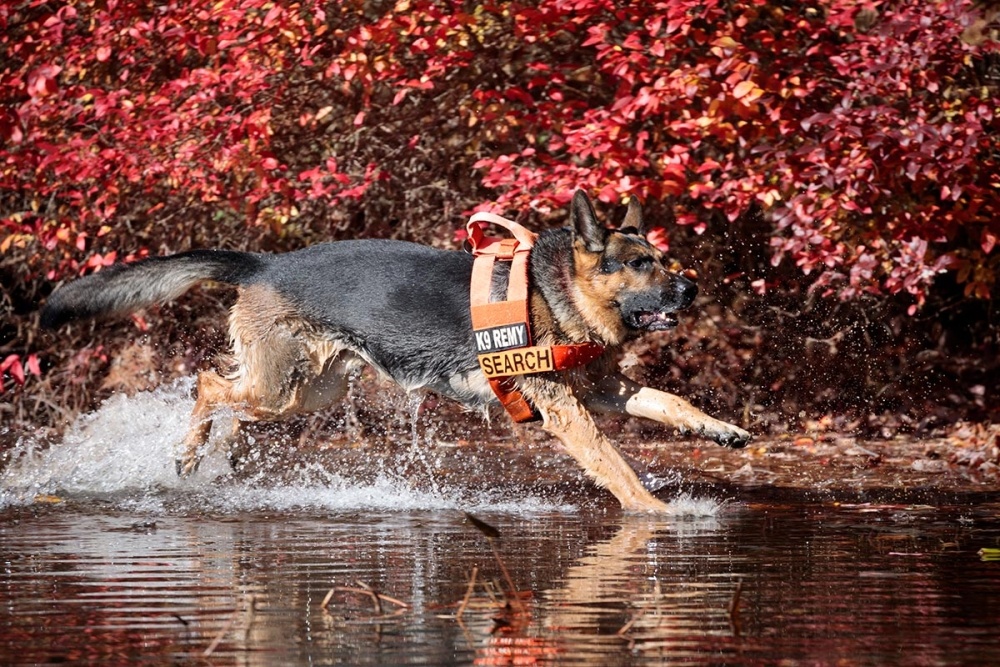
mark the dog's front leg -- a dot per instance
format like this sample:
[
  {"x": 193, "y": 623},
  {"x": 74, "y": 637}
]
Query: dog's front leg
[
  {"x": 617, "y": 394},
  {"x": 569, "y": 421}
]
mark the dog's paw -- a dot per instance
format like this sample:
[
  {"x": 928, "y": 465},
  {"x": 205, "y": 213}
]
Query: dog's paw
[
  {"x": 730, "y": 436},
  {"x": 236, "y": 460},
  {"x": 186, "y": 466},
  {"x": 645, "y": 505}
]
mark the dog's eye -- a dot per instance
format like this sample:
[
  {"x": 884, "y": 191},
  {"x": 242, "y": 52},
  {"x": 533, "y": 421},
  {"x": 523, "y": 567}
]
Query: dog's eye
[{"x": 640, "y": 263}]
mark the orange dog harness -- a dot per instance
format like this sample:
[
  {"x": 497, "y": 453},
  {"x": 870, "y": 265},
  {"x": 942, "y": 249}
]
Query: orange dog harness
[{"x": 503, "y": 328}]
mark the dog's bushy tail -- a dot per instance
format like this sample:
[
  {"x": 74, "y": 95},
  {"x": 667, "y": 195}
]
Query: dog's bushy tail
[{"x": 123, "y": 288}]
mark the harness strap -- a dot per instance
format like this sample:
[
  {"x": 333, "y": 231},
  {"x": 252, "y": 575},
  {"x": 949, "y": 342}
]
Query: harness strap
[{"x": 503, "y": 328}]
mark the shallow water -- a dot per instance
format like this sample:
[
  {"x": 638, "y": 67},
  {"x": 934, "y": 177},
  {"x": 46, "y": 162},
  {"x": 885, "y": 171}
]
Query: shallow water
[{"x": 107, "y": 558}]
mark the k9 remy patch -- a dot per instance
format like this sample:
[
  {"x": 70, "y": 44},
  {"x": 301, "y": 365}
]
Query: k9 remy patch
[{"x": 504, "y": 337}]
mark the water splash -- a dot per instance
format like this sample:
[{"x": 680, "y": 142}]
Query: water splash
[
  {"x": 127, "y": 445},
  {"x": 417, "y": 451},
  {"x": 686, "y": 505},
  {"x": 124, "y": 453},
  {"x": 694, "y": 517}
]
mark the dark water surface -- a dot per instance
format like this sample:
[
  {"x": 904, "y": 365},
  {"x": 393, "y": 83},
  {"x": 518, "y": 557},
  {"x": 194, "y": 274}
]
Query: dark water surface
[
  {"x": 107, "y": 558},
  {"x": 818, "y": 584}
]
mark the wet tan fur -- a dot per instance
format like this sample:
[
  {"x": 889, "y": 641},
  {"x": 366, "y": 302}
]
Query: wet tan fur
[{"x": 282, "y": 366}]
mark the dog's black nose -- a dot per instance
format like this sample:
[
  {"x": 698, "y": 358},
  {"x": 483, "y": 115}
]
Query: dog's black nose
[{"x": 686, "y": 290}]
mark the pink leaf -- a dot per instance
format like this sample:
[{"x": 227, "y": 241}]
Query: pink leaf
[
  {"x": 743, "y": 88},
  {"x": 658, "y": 238},
  {"x": 989, "y": 241},
  {"x": 12, "y": 365},
  {"x": 33, "y": 367}
]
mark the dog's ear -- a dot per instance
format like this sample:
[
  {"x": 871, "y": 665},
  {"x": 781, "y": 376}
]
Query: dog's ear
[
  {"x": 585, "y": 223},
  {"x": 633, "y": 217}
]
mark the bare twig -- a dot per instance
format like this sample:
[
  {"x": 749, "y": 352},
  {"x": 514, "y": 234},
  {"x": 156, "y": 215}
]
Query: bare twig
[
  {"x": 632, "y": 621},
  {"x": 506, "y": 575},
  {"x": 250, "y": 617},
  {"x": 222, "y": 633},
  {"x": 468, "y": 594},
  {"x": 734, "y": 604},
  {"x": 642, "y": 611},
  {"x": 382, "y": 597},
  {"x": 734, "y": 609},
  {"x": 492, "y": 534},
  {"x": 391, "y": 600},
  {"x": 326, "y": 600},
  {"x": 491, "y": 589},
  {"x": 366, "y": 590}
]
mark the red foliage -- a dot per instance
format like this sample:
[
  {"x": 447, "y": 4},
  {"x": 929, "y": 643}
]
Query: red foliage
[
  {"x": 867, "y": 131},
  {"x": 14, "y": 366},
  {"x": 103, "y": 101},
  {"x": 863, "y": 127}
]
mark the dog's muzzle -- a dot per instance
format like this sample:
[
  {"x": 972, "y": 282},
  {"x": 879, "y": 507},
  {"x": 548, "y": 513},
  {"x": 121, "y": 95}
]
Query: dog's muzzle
[{"x": 657, "y": 312}]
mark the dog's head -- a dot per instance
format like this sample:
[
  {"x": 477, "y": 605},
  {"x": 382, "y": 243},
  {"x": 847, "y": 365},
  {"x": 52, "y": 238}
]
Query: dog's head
[{"x": 623, "y": 286}]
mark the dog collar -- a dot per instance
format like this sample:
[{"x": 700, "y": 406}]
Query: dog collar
[{"x": 503, "y": 328}]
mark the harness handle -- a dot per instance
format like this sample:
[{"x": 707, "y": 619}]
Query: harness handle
[{"x": 482, "y": 244}]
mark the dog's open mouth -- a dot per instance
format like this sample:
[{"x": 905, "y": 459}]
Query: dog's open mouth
[{"x": 654, "y": 320}]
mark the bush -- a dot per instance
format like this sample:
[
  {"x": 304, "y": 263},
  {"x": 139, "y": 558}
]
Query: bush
[{"x": 858, "y": 141}]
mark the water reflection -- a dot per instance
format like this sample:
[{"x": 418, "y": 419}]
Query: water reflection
[
  {"x": 642, "y": 589},
  {"x": 819, "y": 584}
]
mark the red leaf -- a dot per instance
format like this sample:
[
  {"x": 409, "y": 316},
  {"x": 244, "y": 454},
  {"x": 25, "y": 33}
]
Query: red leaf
[
  {"x": 272, "y": 15},
  {"x": 12, "y": 365},
  {"x": 33, "y": 366},
  {"x": 989, "y": 241},
  {"x": 658, "y": 238}
]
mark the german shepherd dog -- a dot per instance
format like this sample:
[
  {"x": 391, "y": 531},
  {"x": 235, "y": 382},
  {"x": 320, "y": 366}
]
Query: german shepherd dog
[{"x": 305, "y": 320}]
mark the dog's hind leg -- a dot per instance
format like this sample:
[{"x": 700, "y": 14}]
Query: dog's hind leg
[
  {"x": 307, "y": 387},
  {"x": 569, "y": 421},
  {"x": 283, "y": 366},
  {"x": 214, "y": 391},
  {"x": 619, "y": 395}
]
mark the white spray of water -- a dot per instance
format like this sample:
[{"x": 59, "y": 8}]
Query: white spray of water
[
  {"x": 125, "y": 453},
  {"x": 686, "y": 505},
  {"x": 692, "y": 516},
  {"x": 127, "y": 445},
  {"x": 417, "y": 451}
]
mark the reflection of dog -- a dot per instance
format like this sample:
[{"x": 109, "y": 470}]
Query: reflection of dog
[{"x": 305, "y": 319}]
